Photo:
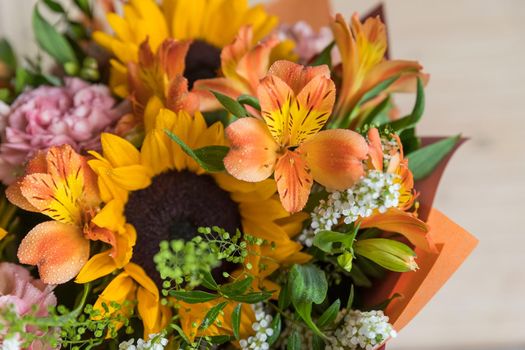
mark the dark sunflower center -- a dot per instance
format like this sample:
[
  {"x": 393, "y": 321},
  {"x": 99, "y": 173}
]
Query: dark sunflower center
[
  {"x": 173, "y": 207},
  {"x": 202, "y": 62}
]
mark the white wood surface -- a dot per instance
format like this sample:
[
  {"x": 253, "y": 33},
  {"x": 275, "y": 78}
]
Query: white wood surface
[{"x": 475, "y": 51}]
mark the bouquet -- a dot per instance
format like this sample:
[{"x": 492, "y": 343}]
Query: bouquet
[{"x": 210, "y": 175}]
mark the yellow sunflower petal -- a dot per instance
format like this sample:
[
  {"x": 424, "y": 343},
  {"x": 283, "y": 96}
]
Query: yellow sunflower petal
[
  {"x": 98, "y": 266},
  {"x": 140, "y": 276},
  {"x": 118, "y": 151}
]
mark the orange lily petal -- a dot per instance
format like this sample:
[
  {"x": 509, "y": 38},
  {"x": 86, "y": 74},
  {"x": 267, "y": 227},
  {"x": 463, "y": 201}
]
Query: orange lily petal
[
  {"x": 67, "y": 185},
  {"x": 406, "y": 224},
  {"x": 207, "y": 100},
  {"x": 254, "y": 65},
  {"x": 252, "y": 155},
  {"x": 275, "y": 97},
  {"x": 335, "y": 157},
  {"x": 59, "y": 250},
  {"x": 297, "y": 76},
  {"x": 312, "y": 109},
  {"x": 148, "y": 307},
  {"x": 140, "y": 276},
  {"x": 375, "y": 151},
  {"x": 294, "y": 181}
]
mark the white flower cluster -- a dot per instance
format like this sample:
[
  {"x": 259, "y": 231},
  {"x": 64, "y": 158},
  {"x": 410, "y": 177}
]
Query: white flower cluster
[
  {"x": 361, "y": 330},
  {"x": 374, "y": 191},
  {"x": 155, "y": 342},
  {"x": 10, "y": 344},
  {"x": 262, "y": 327}
]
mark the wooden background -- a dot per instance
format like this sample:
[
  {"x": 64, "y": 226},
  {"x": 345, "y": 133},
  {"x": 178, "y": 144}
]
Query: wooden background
[{"x": 475, "y": 51}]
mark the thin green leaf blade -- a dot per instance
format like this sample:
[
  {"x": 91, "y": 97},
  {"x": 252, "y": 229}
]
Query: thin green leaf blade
[
  {"x": 413, "y": 118},
  {"x": 329, "y": 315},
  {"x": 237, "y": 287},
  {"x": 423, "y": 161},
  {"x": 294, "y": 341},
  {"x": 231, "y": 105},
  {"x": 276, "y": 327},
  {"x": 7, "y": 54},
  {"x": 193, "y": 296},
  {"x": 212, "y": 315},
  {"x": 250, "y": 101},
  {"x": 325, "y": 56},
  {"x": 236, "y": 321},
  {"x": 251, "y": 298},
  {"x": 51, "y": 41}
]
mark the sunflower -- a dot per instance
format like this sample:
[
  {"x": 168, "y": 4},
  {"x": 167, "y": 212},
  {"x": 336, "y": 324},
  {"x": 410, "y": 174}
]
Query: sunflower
[
  {"x": 211, "y": 24},
  {"x": 166, "y": 195}
]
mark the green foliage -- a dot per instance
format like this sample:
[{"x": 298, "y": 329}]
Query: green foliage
[
  {"x": 51, "y": 41},
  {"x": 338, "y": 243},
  {"x": 390, "y": 254},
  {"x": 423, "y": 161},
  {"x": 250, "y": 101},
  {"x": 236, "y": 321},
  {"x": 308, "y": 285},
  {"x": 294, "y": 341},
  {"x": 413, "y": 118},
  {"x": 325, "y": 56},
  {"x": 81, "y": 328},
  {"x": 7, "y": 55},
  {"x": 210, "y": 158},
  {"x": 232, "y": 106},
  {"x": 212, "y": 315},
  {"x": 329, "y": 315}
]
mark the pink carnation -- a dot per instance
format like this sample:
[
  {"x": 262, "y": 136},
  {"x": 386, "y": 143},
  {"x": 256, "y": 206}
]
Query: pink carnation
[
  {"x": 21, "y": 291},
  {"x": 308, "y": 43},
  {"x": 74, "y": 114}
]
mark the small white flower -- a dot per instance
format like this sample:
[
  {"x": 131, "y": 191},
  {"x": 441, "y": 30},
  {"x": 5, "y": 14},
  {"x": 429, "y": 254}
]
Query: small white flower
[
  {"x": 155, "y": 342},
  {"x": 11, "y": 344},
  {"x": 360, "y": 330},
  {"x": 375, "y": 191},
  {"x": 262, "y": 328}
]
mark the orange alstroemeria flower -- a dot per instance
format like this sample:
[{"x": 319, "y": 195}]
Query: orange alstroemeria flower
[
  {"x": 60, "y": 184},
  {"x": 243, "y": 65},
  {"x": 296, "y": 102},
  {"x": 397, "y": 219},
  {"x": 157, "y": 80},
  {"x": 363, "y": 47}
]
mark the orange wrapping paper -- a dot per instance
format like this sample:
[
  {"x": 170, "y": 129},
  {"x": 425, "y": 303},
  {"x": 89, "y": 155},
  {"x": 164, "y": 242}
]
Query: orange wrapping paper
[{"x": 453, "y": 242}]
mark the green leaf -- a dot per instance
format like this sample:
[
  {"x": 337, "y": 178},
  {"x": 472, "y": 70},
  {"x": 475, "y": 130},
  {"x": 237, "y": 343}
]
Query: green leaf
[
  {"x": 212, "y": 315},
  {"x": 236, "y": 288},
  {"x": 413, "y": 118},
  {"x": 236, "y": 320},
  {"x": 377, "y": 112},
  {"x": 250, "y": 101},
  {"x": 5, "y": 95},
  {"x": 208, "y": 281},
  {"x": 22, "y": 79},
  {"x": 411, "y": 142},
  {"x": 251, "y": 298},
  {"x": 276, "y": 327},
  {"x": 383, "y": 305},
  {"x": 332, "y": 242},
  {"x": 7, "y": 54},
  {"x": 193, "y": 296},
  {"x": 318, "y": 343},
  {"x": 325, "y": 56},
  {"x": 376, "y": 90},
  {"x": 219, "y": 339},
  {"x": 210, "y": 158},
  {"x": 285, "y": 297},
  {"x": 51, "y": 41},
  {"x": 83, "y": 5},
  {"x": 304, "y": 309},
  {"x": 329, "y": 315},
  {"x": 359, "y": 277},
  {"x": 180, "y": 332},
  {"x": 350, "y": 301},
  {"x": 231, "y": 105},
  {"x": 423, "y": 161},
  {"x": 54, "y": 6},
  {"x": 294, "y": 341},
  {"x": 308, "y": 284}
]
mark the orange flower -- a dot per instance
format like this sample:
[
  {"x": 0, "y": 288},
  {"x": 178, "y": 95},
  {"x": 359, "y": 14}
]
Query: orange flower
[
  {"x": 397, "y": 219},
  {"x": 363, "y": 48},
  {"x": 243, "y": 66},
  {"x": 296, "y": 102},
  {"x": 157, "y": 80},
  {"x": 60, "y": 185}
]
